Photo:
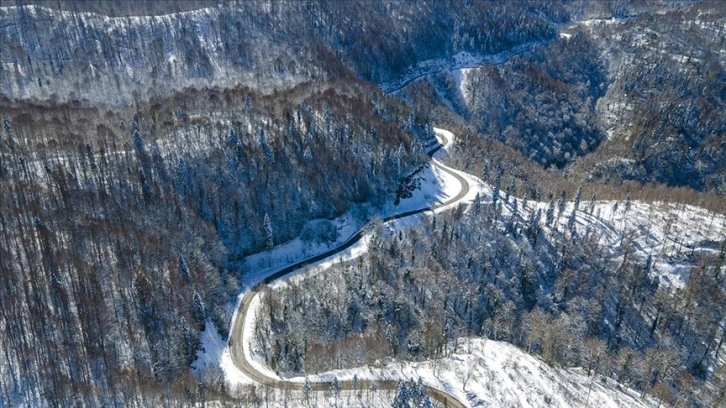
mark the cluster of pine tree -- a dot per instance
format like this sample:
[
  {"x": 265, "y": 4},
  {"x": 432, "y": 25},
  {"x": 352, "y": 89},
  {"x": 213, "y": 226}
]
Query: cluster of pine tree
[{"x": 542, "y": 103}]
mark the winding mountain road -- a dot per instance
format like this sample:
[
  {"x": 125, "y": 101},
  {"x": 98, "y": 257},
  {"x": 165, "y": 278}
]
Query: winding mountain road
[
  {"x": 486, "y": 61},
  {"x": 237, "y": 340}
]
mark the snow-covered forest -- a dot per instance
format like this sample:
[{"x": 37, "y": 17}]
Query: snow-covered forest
[
  {"x": 577, "y": 283},
  {"x": 73, "y": 55},
  {"x": 161, "y": 160}
]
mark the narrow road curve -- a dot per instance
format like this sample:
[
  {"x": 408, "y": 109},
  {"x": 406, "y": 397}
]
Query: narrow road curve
[
  {"x": 237, "y": 340},
  {"x": 490, "y": 60}
]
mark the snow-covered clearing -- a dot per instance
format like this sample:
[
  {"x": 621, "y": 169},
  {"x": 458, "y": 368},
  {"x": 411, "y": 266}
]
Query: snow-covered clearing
[{"x": 671, "y": 235}]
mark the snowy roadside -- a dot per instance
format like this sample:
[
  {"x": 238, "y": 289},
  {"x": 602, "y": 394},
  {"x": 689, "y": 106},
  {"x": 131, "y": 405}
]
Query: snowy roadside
[{"x": 458, "y": 61}]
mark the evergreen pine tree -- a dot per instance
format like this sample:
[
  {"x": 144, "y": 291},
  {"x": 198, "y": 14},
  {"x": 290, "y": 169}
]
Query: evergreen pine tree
[
  {"x": 183, "y": 268},
  {"x": 578, "y": 197},
  {"x": 307, "y": 389},
  {"x": 200, "y": 310},
  {"x": 591, "y": 205},
  {"x": 561, "y": 204},
  {"x": 356, "y": 382},
  {"x": 571, "y": 221},
  {"x": 391, "y": 339},
  {"x": 139, "y": 143},
  {"x": 550, "y": 215},
  {"x": 268, "y": 231},
  {"x": 402, "y": 396},
  {"x": 266, "y": 148},
  {"x": 628, "y": 203},
  {"x": 497, "y": 187},
  {"x": 509, "y": 191},
  {"x": 420, "y": 397},
  {"x": 335, "y": 389}
]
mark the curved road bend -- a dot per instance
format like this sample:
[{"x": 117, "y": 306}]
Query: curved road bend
[{"x": 237, "y": 347}]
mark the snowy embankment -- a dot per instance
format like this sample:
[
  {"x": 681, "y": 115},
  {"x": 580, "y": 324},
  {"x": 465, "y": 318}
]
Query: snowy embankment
[
  {"x": 487, "y": 373},
  {"x": 480, "y": 373}
]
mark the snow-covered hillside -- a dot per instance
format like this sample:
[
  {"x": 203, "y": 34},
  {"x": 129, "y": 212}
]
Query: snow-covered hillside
[
  {"x": 673, "y": 236},
  {"x": 490, "y": 373},
  {"x": 123, "y": 58}
]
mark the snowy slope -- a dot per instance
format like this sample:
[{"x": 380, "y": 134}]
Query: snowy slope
[
  {"x": 150, "y": 55},
  {"x": 487, "y": 373},
  {"x": 670, "y": 234},
  {"x": 483, "y": 373}
]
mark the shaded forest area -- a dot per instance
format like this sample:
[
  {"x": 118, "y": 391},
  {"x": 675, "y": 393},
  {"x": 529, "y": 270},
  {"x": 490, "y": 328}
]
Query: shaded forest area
[{"x": 612, "y": 100}]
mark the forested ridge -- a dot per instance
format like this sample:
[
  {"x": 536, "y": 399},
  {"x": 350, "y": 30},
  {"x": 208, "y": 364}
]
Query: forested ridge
[{"x": 74, "y": 55}]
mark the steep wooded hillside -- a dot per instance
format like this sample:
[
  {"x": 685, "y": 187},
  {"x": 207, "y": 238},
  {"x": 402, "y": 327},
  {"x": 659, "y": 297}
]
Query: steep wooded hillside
[
  {"x": 663, "y": 110},
  {"x": 120, "y": 228},
  {"x": 70, "y": 55},
  {"x": 617, "y": 97}
]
